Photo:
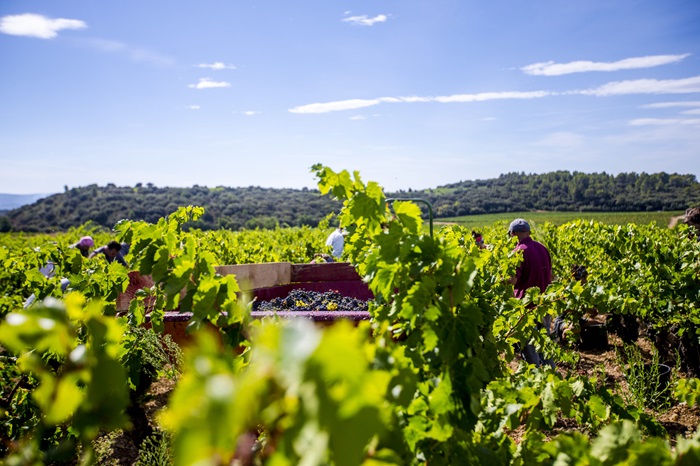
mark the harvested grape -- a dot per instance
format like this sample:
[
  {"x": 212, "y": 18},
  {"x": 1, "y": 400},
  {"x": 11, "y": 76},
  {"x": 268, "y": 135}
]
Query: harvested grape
[{"x": 302, "y": 300}]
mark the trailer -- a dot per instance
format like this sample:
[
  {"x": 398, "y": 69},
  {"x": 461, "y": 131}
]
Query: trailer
[{"x": 266, "y": 281}]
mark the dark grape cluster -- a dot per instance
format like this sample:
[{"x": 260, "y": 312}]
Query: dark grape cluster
[
  {"x": 579, "y": 272},
  {"x": 302, "y": 300}
]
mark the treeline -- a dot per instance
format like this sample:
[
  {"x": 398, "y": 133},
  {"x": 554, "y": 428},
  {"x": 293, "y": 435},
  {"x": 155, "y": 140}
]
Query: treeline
[
  {"x": 564, "y": 191},
  {"x": 227, "y": 208},
  {"x": 255, "y": 207}
]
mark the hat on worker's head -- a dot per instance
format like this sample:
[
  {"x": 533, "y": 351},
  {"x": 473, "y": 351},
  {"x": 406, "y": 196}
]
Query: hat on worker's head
[
  {"x": 86, "y": 242},
  {"x": 519, "y": 225},
  {"x": 692, "y": 216}
]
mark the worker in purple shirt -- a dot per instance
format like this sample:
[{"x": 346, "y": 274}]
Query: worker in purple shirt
[{"x": 535, "y": 270}]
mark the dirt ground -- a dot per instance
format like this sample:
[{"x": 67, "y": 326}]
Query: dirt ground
[
  {"x": 680, "y": 419},
  {"x": 674, "y": 221},
  {"x": 117, "y": 448}
]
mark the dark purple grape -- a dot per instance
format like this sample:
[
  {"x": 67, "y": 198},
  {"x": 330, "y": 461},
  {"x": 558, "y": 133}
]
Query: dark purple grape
[{"x": 302, "y": 300}]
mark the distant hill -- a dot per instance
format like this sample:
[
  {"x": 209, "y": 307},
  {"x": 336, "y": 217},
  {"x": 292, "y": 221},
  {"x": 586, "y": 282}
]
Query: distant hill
[
  {"x": 13, "y": 201},
  {"x": 565, "y": 191},
  {"x": 255, "y": 207},
  {"x": 232, "y": 208}
]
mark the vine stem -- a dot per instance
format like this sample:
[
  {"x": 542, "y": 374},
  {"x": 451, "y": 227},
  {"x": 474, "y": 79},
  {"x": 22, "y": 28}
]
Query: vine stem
[
  {"x": 6, "y": 402},
  {"x": 520, "y": 319}
]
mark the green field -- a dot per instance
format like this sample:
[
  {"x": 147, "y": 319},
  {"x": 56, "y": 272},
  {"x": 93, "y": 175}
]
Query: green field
[{"x": 559, "y": 218}]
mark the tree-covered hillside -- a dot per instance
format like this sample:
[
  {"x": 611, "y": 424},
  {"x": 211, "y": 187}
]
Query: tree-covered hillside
[
  {"x": 565, "y": 191},
  {"x": 252, "y": 207},
  {"x": 232, "y": 208}
]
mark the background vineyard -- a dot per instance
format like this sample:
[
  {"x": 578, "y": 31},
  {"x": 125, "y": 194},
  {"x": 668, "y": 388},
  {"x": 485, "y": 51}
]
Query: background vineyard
[
  {"x": 661, "y": 219},
  {"x": 433, "y": 378}
]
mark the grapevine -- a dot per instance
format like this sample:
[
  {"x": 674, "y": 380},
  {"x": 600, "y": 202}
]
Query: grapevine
[{"x": 432, "y": 378}]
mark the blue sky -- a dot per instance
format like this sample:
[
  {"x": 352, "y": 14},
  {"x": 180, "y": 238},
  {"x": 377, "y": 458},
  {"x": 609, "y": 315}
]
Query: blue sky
[{"x": 412, "y": 94}]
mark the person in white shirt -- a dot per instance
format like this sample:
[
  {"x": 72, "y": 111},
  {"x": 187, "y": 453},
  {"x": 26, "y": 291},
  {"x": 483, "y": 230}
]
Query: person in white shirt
[{"x": 336, "y": 241}]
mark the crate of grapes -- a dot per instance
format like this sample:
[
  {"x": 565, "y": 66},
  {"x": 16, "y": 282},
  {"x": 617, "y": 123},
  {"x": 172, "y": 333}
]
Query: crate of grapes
[{"x": 323, "y": 293}]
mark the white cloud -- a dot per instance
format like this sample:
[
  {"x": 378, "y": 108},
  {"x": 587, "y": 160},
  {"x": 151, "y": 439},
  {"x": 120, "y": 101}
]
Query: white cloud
[
  {"x": 640, "y": 86},
  {"x": 358, "y": 117},
  {"x": 194, "y": 107},
  {"x": 484, "y": 96},
  {"x": 206, "y": 83},
  {"x": 695, "y": 111},
  {"x": 32, "y": 25},
  {"x": 665, "y": 122},
  {"x": 364, "y": 20},
  {"x": 672, "y": 104},
  {"x": 556, "y": 69},
  {"x": 216, "y": 66},
  {"x": 250, "y": 113},
  {"x": 646, "y": 86},
  {"x": 353, "y": 104}
]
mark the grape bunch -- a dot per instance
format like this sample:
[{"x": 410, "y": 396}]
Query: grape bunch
[
  {"x": 302, "y": 300},
  {"x": 579, "y": 272}
]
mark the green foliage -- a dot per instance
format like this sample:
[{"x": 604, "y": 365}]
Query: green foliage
[
  {"x": 426, "y": 381},
  {"x": 648, "y": 386},
  {"x": 660, "y": 218},
  {"x": 618, "y": 443},
  {"x": 445, "y": 354},
  {"x": 645, "y": 271},
  {"x": 147, "y": 356},
  {"x": 155, "y": 451},
  {"x": 183, "y": 272},
  {"x": 539, "y": 400},
  {"x": 18, "y": 412},
  {"x": 296, "y": 245},
  {"x": 310, "y": 397},
  {"x": 21, "y": 259},
  {"x": 688, "y": 391},
  {"x": 104, "y": 448},
  {"x": 90, "y": 387}
]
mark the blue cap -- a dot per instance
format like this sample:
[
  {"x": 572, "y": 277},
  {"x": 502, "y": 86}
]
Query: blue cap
[{"x": 518, "y": 225}]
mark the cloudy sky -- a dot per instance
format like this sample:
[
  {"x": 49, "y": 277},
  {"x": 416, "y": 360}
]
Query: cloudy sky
[{"x": 410, "y": 93}]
